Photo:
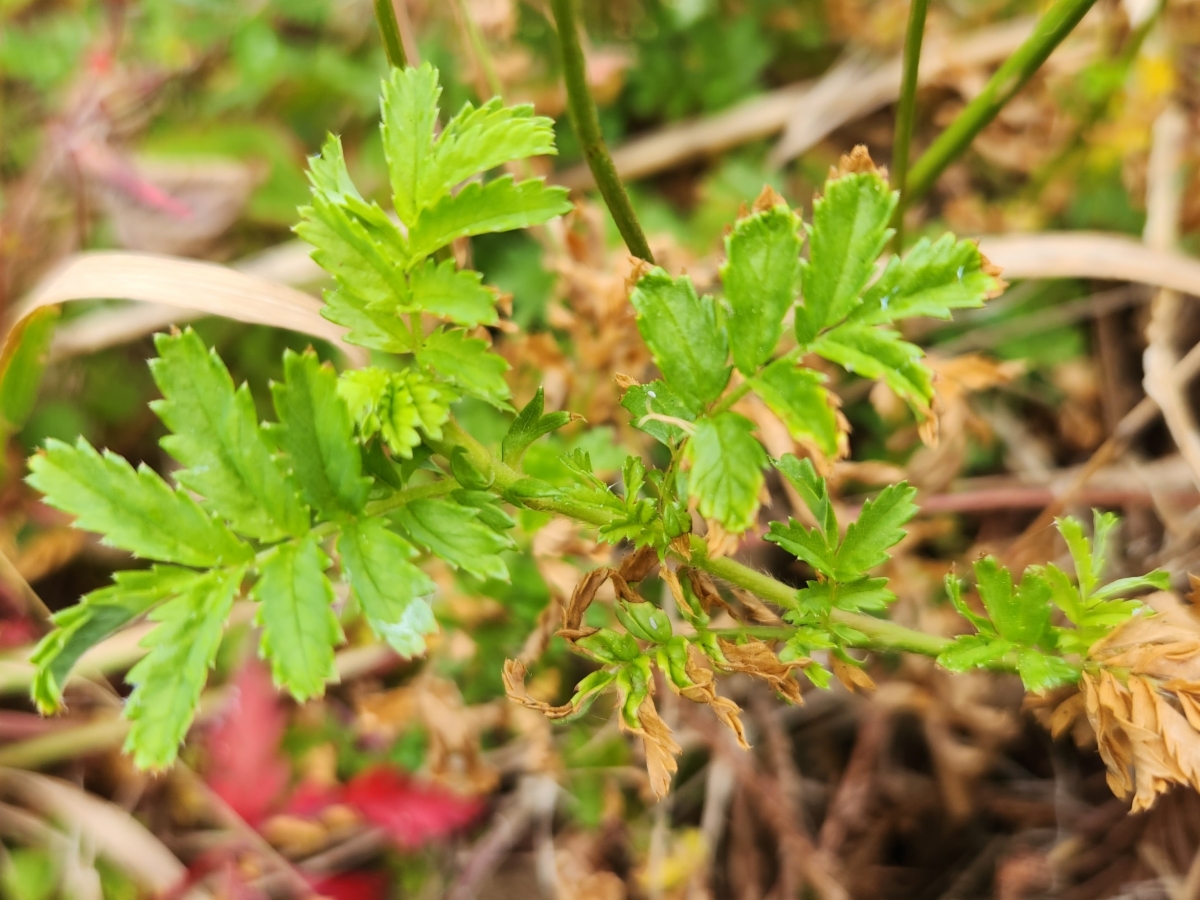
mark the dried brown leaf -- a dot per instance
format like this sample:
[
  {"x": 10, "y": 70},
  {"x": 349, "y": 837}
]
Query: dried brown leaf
[
  {"x": 704, "y": 690},
  {"x": 637, "y": 565},
  {"x": 514, "y": 686},
  {"x": 767, "y": 199},
  {"x": 582, "y": 597},
  {"x": 706, "y": 591},
  {"x": 853, "y": 678},
  {"x": 661, "y": 748},
  {"x": 756, "y": 610},
  {"x": 856, "y": 161},
  {"x": 757, "y": 659}
]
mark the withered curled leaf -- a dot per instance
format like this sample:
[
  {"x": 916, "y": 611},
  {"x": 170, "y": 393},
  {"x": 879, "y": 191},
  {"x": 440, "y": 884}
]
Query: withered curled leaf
[
  {"x": 661, "y": 747},
  {"x": 703, "y": 689},
  {"x": 1143, "y": 702},
  {"x": 581, "y": 598},
  {"x": 638, "y": 564},
  {"x": 514, "y": 686},
  {"x": 757, "y": 659},
  {"x": 853, "y": 678}
]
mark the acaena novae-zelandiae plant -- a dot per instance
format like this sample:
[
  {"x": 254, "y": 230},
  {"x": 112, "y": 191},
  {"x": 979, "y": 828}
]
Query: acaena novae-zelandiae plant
[{"x": 363, "y": 475}]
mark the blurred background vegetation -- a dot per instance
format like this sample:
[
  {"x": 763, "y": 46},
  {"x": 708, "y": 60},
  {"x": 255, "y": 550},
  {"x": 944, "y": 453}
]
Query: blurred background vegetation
[{"x": 183, "y": 126}]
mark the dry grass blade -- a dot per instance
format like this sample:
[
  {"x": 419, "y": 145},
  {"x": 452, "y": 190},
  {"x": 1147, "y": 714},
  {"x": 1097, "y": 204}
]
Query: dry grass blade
[
  {"x": 1088, "y": 254},
  {"x": 187, "y": 287},
  {"x": 113, "y": 654},
  {"x": 114, "y": 833},
  {"x": 809, "y": 111},
  {"x": 1163, "y": 205},
  {"x": 853, "y": 89}
]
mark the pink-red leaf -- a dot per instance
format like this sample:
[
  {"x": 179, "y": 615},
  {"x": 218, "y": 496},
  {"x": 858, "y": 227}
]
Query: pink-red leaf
[{"x": 246, "y": 768}]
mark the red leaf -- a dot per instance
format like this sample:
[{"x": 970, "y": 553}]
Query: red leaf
[
  {"x": 352, "y": 886},
  {"x": 411, "y": 813},
  {"x": 246, "y": 768}
]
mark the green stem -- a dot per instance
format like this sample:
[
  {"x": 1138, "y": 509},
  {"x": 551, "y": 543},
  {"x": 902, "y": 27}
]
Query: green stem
[
  {"x": 389, "y": 28},
  {"x": 743, "y": 389},
  {"x": 1050, "y": 31},
  {"x": 420, "y": 492},
  {"x": 731, "y": 398},
  {"x": 880, "y": 633},
  {"x": 906, "y": 112},
  {"x": 586, "y": 123}
]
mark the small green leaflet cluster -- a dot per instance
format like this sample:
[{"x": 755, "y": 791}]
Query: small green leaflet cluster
[
  {"x": 389, "y": 273},
  {"x": 841, "y": 562},
  {"x": 1017, "y": 624},
  {"x": 272, "y": 501},
  {"x": 844, "y": 300},
  {"x": 278, "y": 502}
]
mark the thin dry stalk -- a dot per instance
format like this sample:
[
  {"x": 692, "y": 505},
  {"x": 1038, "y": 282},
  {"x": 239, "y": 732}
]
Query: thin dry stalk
[{"x": 1163, "y": 204}]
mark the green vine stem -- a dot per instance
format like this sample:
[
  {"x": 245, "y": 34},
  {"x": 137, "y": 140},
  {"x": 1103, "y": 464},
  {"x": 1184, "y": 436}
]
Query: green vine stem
[
  {"x": 1051, "y": 29},
  {"x": 907, "y": 110},
  {"x": 389, "y": 28},
  {"x": 586, "y": 123}
]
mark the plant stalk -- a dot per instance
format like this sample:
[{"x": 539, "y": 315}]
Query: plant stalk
[
  {"x": 1050, "y": 31},
  {"x": 907, "y": 110},
  {"x": 586, "y": 122},
  {"x": 389, "y": 29},
  {"x": 881, "y": 634}
]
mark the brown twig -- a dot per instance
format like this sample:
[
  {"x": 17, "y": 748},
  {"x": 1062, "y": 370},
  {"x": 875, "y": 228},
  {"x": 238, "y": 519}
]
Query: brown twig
[
  {"x": 850, "y": 804},
  {"x": 803, "y": 861}
]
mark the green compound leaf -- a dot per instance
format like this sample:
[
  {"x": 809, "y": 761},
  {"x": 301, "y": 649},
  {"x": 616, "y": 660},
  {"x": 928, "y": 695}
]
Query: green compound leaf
[
  {"x": 796, "y": 395},
  {"x": 135, "y": 511},
  {"x": 932, "y": 279},
  {"x": 812, "y": 490},
  {"x": 973, "y": 651},
  {"x": 498, "y": 205},
  {"x": 169, "y": 679},
  {"x": 1159, "y": 580},
  {"x": 1088, "y": 555},
  {"x": 218, "y": 439},
  {"x": 849, "y": 231},
  {"x": 454, "y": 294},
  {"x": 761, "y": 278},
  {"x": 410, "y": 111},
  {"x": 806, "y": 544},
  {"x": 374, "y": 328},
  {"x": 389, "y": 588},
  {"x": 530, "y": 424},
  {"x": 317, "y": 433},
  {"x": 650, "y": 403},
  {"x": 394, "y": 405},
  {"x": 295, "y": 610},
  {"x": 95, "y": 617},
  {"x": 954, "y": 588},
  {"x": 1021, "y": 616},
  {"x": 1041, "y": 672},
  {"x": 454, "y": 534},
  {"x": 857, "y": 595},
  {"x": 478, "y": 139},
  {"x": 682, "y": 332},
  {"x": 879, "y": 353},
  {"x": 467, "y": 363},
  {"x": 727, "y": 470},
  {"x": 353, "y": 240},
  {"x": 879, "y": 526}
]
